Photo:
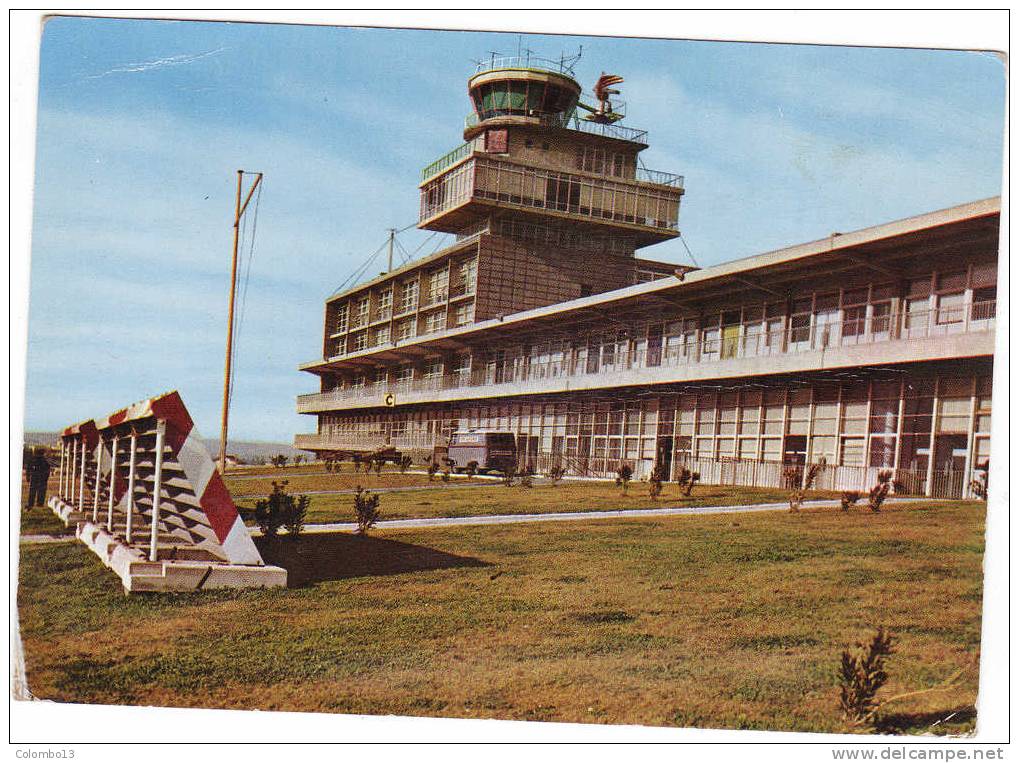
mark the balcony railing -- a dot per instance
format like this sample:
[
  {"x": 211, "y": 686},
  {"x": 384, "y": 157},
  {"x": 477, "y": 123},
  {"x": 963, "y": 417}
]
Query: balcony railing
[
  {"x": 561, "y": 66},
  {"x": 567, "y": 122},
  {"x": 659, "y": 178},
  {"x": 707, "y": 347},
  {"x": 602, "y": 198},
  {"x": 448, "y": 160}
]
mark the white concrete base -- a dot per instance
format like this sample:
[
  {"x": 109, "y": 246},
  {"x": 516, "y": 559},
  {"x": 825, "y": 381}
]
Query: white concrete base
[
  {"x": 65, "y": 512},
  {"x": 132, "y": 566}
]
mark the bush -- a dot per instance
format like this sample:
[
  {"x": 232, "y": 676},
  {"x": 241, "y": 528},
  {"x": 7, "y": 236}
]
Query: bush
[
  {"x": 298, "y": 459},
  {"x": 654, "y": 487},
  {"x": 687, "y": 479},
  {"x": 366, "y": 508},
  {"x": 809, "y": 478},
  {"x": 849, "y": 499},
  {"x": 281, "y": 510},
  {"x": 433, "y": 467},
  {"x": 471, "y": 469},
  {"x": 623, "y": 476},
  {"x": 525, "y": 480},
  {"x": 356, "y": 458},
  {"x": 404, "y": 463},
  {"x": 279, "y": 460},
  {"x": 509, "y": 473},
  {"x": 861, "y": 675},
  {"x": 555, "y": 474},
  {"x": 445, "y": 474},
  {"x": 379, "y": 463},
  {"x": 879, "y": 492}
]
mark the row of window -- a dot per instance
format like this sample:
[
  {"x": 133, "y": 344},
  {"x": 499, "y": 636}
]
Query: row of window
[
  {"x": 358, "y": 313},
  {"x": 822, "y": 320},
  {"x": 883, "y": 423}
]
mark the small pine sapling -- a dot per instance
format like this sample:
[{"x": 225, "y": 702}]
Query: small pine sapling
[
  {"x": 433, "y": 467},
  {"x": 366, "y": 508},
  {"x": 655, "y": 480},
  {"x": 509, "y": 473},
  {"x": 471, "y": 469},
  {"x": 623, "y": 476},
  {"x": 809, "y": 478},
  {"x": 861, "y": 674},
  {"x": 404, "y": 463},
  {"x": 849, "y": 499},
  {"x": 555, "y": 474},
  {"x": 879, "y": 492}
]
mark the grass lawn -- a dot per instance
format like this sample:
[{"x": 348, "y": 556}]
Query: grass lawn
[
  {"x": 41, "y": 520},
  {"x": 488, "y": 498},
  {"x": 732, "y": 621},
  {"x": 346, "y": 480}
]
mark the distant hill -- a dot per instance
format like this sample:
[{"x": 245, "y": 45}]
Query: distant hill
[{"x": 246, "y": 450}]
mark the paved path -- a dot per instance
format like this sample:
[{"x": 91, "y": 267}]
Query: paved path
[
  {"x": 573, "y": 516},
  {"x": 400, "y": 489},
  {"x": 559, "y": 516}
]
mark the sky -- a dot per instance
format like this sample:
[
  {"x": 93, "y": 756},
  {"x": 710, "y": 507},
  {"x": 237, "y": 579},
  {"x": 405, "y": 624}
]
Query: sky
[{"x": 142, "y": 126}]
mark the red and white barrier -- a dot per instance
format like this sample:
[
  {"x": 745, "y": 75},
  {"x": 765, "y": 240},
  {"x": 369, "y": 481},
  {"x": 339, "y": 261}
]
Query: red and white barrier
[{"x": 146, "y": 465}]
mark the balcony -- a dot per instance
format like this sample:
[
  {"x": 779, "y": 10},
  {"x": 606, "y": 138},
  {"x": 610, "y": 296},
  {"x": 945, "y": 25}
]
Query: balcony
[
  {"x": 606, "y": 130},
  {"x": 362, "y": 442},
  {"x": 901, "y": 337},
  {"x": 649, "y": 207},
  {"x": 444, "y": 162}
]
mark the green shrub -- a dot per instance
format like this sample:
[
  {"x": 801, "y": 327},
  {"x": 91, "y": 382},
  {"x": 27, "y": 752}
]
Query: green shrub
[
  {"x": 366, "y": 509},
  {"x": 809, "y": 478},
  {"x": 404, "y": 463},
  {"x": 654, "y": 486},
  {"x": 509, "y": 473},
  {"x": 624, "y": 473},
  {"x": 555, "y": 474},
  {"x": 281, "y": 510},
  {"x": 687, "y": 479},
  {"x": 279, "y": 460},
  {"x": 471, "y": 469},
  {"x": 433, "y": 467},
  {"x": 849, "y": 499}
]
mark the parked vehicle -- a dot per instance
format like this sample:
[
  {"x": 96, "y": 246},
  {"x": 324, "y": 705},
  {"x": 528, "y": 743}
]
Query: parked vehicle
[{"x": 493, "y": 451}]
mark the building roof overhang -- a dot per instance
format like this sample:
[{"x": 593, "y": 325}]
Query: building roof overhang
[{"x": 772, "y": 274}]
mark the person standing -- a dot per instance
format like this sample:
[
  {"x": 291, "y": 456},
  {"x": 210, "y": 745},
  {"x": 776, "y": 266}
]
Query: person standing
[{"x": 38, "y": 476}]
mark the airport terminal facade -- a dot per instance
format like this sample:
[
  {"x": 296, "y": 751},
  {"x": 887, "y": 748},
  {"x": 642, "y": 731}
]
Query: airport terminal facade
[{"x": 870, "y": 349}]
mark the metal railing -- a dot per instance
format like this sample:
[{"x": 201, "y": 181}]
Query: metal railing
[
  {"x": 706, "y": 346},
  {"x": 568, "y": 122},
  {"x": 601, "y": 198},
  {"x": 494, "y": 62},
  {"x": 659, "y": 178},
  {"x": 447, "y": 160}
]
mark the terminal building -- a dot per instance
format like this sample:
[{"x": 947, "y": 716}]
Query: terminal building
[{"x": 870, "y": 349}]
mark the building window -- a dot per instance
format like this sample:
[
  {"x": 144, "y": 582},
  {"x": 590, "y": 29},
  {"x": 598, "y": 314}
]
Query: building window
[
  {"x": 405, "y": 329},
  {"x": 340, "y": 326},
  {"x": 405, "y": 374},
  {"x": 438, "y": 286},
  {"x": 385, "y": 308},
  {"x": 361, "y": 313},
  {"x": 984, "y": 303},
  {"x": 463, "y": 314},
  {"x": 469, "y": 275},
  {"x": 951, "y": 308},
  {"x": 380, "y": 336},
  {"x": 360, "y": 341},
  {"x": 408, "y": 296},
  {"x": 433, "y": 368},
  {"x": 435, "y": 321}
]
